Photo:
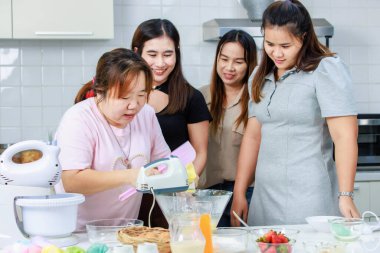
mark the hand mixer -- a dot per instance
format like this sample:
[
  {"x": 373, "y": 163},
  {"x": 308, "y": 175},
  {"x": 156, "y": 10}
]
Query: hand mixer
[
  {"x": 186, "y": 155},
  {"x": 172, "y": 176}
]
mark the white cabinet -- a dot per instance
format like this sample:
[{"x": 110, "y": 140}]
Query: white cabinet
[
  {"x": 5, "y": 19},
  {"x": 367, "y": 196},
  {"x": 60, "y": 19}
]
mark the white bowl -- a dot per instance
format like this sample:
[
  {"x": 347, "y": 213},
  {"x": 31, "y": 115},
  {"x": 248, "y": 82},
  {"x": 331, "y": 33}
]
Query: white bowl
[
  {"x": 50, "y": 215},
  {"x": 320, "y": 223}
]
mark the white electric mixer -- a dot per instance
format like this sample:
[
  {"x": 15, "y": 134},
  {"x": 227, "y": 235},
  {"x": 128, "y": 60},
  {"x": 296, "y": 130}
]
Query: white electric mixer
[{"x": 28, "y": 171}]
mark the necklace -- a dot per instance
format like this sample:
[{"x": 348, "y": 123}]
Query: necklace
[{"x": 125, "y": 161}]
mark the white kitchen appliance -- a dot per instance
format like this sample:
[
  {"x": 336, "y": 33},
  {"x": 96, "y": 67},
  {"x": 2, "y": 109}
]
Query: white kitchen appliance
[
  {"x": 28, "y": 205},
  {"x": 172, "y": 177}
]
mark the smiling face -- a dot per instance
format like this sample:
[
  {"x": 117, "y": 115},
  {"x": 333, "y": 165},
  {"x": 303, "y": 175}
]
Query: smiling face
[
  {"x": 160, "y": 55},
  {"x": 282, "y": 47},
  {"x": 231, "y": 65},
  {"x": 120, "y": 111}
]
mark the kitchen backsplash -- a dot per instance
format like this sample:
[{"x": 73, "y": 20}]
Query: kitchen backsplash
[{"x": 39, "y": 78}]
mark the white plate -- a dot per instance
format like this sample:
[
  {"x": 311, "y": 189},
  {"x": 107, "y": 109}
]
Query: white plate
[{"x": 320, "y": 223}]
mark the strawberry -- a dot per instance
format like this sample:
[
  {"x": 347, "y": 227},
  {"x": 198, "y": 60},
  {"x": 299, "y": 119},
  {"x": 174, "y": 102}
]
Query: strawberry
[
  {"x": 276, "y": 239},
  {"x": 268, "y": 236},
  {"x": 283, "y": 238}
]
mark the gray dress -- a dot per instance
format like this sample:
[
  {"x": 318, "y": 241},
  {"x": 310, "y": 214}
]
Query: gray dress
[{"x": 295, "y": 173}]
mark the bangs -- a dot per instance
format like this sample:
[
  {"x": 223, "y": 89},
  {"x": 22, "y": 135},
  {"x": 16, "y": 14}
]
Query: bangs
[{"x": 121, "y": 83}]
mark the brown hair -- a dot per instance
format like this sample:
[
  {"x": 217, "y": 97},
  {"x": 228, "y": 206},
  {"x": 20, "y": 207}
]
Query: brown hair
[
  {"x": 294, "y": 16},
  {"x": 116, "y": 68},
  {"x": 217, "y": 91},
  {"x": 179, "y": 89}
]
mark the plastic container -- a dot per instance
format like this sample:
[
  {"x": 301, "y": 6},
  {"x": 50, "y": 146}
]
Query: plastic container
[
  {"x": 347, "y": 229},
  {"x": 105, "y": 230},
  {"x": 50, "y": 215}
]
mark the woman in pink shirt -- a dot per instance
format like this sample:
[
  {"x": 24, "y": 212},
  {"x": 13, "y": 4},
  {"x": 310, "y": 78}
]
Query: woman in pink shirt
[{"x": 106, "y": 138}]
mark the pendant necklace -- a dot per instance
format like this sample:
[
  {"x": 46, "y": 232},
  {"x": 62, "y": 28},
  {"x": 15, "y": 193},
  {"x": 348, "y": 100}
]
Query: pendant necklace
[{"x": 124, "y": 160}]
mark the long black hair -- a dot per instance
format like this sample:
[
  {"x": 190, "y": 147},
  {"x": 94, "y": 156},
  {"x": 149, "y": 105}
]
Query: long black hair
[
  {"x": 179, "y": 89},
  {"x": 217, "y": 90},
  {"x": 295, "y": 17}
]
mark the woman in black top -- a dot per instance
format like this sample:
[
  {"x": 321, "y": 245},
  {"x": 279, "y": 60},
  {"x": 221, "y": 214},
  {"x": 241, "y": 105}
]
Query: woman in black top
[{"x": 181, "y": 109}]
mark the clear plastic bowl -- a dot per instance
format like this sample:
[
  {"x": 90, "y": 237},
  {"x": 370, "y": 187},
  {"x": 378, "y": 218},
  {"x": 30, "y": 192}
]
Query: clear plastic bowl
[
  {"x": 347, "y": 229},
  {"x": 105, "y": 230}
]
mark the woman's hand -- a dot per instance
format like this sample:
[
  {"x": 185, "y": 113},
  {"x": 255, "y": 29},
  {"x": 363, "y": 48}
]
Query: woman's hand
[
  {"x": 347, "y": 207},
  {"x": 240, "y": 206}
]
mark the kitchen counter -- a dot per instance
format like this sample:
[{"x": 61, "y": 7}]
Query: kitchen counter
[{"x": 308, "y": 236}]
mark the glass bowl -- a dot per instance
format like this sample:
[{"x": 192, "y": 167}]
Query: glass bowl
[
  {"x": 105, "y": 230},
  {"x": 283, "y": 247},
  {"x": 180, "y": 203},
  {"x": 346, "y": 229},
  {"x": 230, "y": 240},
  {"x": 265, "y": 247}
]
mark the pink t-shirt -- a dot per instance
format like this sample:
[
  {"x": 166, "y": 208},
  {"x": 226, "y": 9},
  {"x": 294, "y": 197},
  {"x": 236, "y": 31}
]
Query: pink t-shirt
[{"x": 86, "y": 141}]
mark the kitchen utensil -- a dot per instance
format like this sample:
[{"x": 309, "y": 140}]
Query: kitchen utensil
[
  {"x": 347, "y": 229},
  {"x": 180, "y": 203},
  {"x": 28, "y": 172},
  {"x": 186, "y": 235},
  {"x": 48, "y": 216},
  {"x": 285, "y": 247},
  {"x": 230, "y": 240},
  {"x": 105, "y": 230},
  {"x": 186, "y": 154},
  {"x": 30, "y": 163},
  {"x": 370, "y": 227},
  {"x": 240, "y": 219},
  {"x": 205, "y": 225},
  {"x": 173, "y": 176},
  {"x": 320, "y": 223}
]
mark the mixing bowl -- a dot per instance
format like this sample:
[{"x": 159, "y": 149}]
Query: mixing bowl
[
  {"x": 320, "y": 223},
  {"x": 105, "y": 230},
  {"x": 347, "y": 229},
  {"x": 271, "y": 246},
  {"x": 230, "y": 240},
  {"x": 180, "y": 203}
]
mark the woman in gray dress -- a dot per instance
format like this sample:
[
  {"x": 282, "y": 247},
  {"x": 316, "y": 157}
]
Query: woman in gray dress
[{"x": 301, "y": 104}]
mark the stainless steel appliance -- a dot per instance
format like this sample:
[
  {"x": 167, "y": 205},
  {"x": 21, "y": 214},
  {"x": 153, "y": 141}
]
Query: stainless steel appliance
[
  {"x": 214, "y": 29},
  {"x": 369, "y": 142}
]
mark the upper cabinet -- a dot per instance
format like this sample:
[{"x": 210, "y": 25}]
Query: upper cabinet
[
  {"x": 5, "y": 19},
  {"x": 59, "y": 19}
]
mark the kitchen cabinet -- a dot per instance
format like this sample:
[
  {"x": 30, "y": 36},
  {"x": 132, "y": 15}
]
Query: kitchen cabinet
[
  {"x": 60, "y": 19},
  {"x": 5, "y": 19},
  {"x": 366, "y": 196}
]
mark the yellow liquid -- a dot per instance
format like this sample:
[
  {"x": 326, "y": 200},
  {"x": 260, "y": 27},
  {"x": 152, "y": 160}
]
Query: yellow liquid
[{"x": 187, "y": 247}]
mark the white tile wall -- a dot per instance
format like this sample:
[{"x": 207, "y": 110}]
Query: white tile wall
[{"x": 39, "y": 78}]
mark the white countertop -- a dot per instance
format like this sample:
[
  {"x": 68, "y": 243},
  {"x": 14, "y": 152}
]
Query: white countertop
[{"x": 307, "y": 236}]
